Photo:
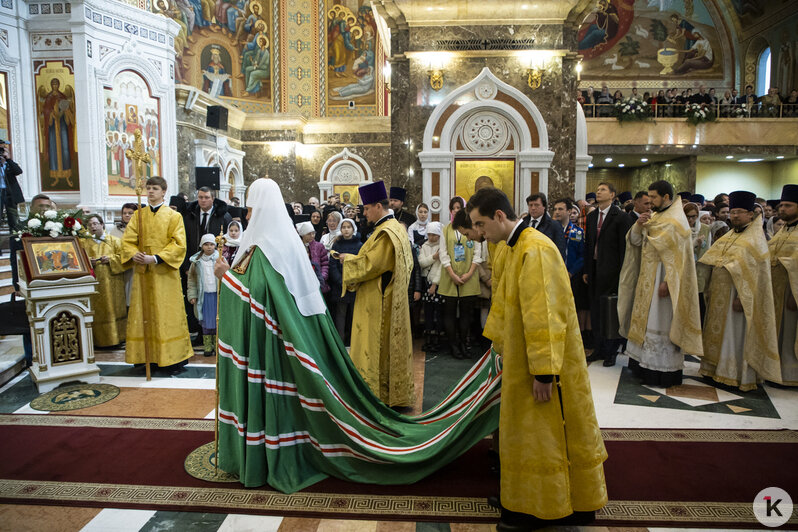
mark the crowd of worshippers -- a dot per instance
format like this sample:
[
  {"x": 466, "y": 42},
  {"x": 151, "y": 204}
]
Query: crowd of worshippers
[
  {"x": 752, "y": 320},
  {"x": 450, "y": 288},
  {"x": 672, "y": 102}
]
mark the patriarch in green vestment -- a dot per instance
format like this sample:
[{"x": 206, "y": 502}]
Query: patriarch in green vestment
[{"x": 293, "y": 408}]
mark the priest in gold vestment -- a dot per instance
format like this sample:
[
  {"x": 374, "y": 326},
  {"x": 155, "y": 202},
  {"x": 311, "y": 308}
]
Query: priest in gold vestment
[
  {"x": 109, "y": 303},
  {"x": 382, "y": 345},
  {"x": 784, "y": 272},
  {"x": 156, "y": 260},
  {"x": 658, "y": 306},
  {"x": 550, "y": 445},
  {"x": 740, "y": 347}
]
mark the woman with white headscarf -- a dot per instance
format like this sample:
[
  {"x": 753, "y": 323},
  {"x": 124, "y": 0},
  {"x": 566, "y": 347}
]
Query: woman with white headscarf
[
  {"x": 334, "y": 220},
  {"x": 293, "y": 409},
  {"x": 418, "y": 229}
]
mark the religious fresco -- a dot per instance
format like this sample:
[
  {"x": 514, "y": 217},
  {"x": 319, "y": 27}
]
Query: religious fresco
[
  {"x": 224, "y": 47},
  {"x": 352, "y": 53},
  {"x": 129, "y": 107},
  {"x": 57, "y": 135},
  {"x": 665, "y": 39},
  {"x": 5, "y": 114},
  {"x": 474, "y": 174}
]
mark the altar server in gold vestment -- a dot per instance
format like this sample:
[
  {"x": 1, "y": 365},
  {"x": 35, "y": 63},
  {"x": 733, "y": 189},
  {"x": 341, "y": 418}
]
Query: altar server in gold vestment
[
  {"x": 740, "y": 347},
  {"x": 382, "y": 346},
  {"x": 109, "y": 303},
  {"x": 784, "y": 271},
  {"x": 550, "y": 445},
  {"x": 157, "y": 259},
  {"x": 658, "y": 292}
]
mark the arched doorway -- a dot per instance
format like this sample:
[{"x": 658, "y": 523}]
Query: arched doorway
[
  {"x": 484, "y": 129},
  {"x": 342, "y": 174}
]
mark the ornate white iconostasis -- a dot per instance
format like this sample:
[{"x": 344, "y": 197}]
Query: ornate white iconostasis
[
  {"x": 485, "y": 133},
  {"x": 82, "y": 77},
  {"x": 342, "y": 174}
]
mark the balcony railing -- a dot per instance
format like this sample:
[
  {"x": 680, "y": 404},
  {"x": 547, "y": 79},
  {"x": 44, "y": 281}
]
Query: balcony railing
[{"x": 675, "y": 110}]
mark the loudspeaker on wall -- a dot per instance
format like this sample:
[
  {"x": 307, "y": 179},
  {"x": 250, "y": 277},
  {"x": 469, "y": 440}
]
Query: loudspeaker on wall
[{"x": 216, "y": 117}]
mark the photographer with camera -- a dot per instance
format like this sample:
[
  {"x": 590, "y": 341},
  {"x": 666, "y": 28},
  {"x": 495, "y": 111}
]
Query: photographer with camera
[{"x": 10, "y": 191}]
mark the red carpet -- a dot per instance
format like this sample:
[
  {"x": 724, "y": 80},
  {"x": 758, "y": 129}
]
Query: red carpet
[{"x": 665, "y": 478}]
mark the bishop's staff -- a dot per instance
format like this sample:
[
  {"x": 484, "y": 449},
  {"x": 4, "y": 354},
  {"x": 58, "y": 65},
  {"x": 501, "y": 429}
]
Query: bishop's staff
[
  {"x": 140, "y": 158},
  {"x": 220, "y": 242}
]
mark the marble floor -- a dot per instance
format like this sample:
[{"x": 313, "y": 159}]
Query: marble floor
[{"x": 620, "y": 400}]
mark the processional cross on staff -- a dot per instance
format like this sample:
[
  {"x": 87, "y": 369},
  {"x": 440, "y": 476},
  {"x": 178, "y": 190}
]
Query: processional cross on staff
[{"x": 141, "y": 159}]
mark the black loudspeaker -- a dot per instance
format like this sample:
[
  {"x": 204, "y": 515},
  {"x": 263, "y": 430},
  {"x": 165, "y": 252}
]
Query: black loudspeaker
[
  {"x": 216, "y": 117},
  {"x": 207, "y": 176}
]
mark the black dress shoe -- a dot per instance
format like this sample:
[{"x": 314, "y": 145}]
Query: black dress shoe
[
  {"x": 595, "y": 356},
  {"x": 610, "y": 360}
]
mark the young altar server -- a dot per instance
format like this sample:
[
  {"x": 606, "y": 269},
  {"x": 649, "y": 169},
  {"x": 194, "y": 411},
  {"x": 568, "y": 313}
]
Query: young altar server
[
  {"x": 550, "y": 445},
  {"x": 157, "y": 256},
  {"x": 202, "y": 290}
]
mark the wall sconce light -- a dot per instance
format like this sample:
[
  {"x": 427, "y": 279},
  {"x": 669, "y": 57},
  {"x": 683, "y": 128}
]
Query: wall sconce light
[
  {"x": 436, "y": 79},
  {"x": 579, "y": 71},
  {"x": 534, "y": 76},
  {"x": 386, "y": 76},
  {"x": 536, "y": 61}
]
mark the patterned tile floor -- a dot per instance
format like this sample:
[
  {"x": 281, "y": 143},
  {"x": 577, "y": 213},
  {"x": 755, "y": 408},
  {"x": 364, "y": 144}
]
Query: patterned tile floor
[{"x": 621, "y": 402}]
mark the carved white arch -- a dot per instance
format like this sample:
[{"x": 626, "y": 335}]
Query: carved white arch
[
  {"x": 583, "y": 160},
  {"x": 161, "y": 87},
  {"x": 438, "y": 155},
  {"x": 229, "y": 160},
  {"x": 344, "y": 168}
]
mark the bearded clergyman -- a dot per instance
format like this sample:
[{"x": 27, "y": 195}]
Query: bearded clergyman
[
  {"x": 740, "y": 347},
  {"x": 658, "y": 292},
  {"x": 784, "y": 272}
]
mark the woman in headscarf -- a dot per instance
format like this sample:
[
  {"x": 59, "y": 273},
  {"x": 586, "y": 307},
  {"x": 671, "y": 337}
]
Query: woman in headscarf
[
  {"x": 232, "y": 240},
  {"x": 418, "y": 229},
  {"x": 333, "y": 229},
  {"x": 318, "y": 226},
  {"x": 293, "y": 408}
]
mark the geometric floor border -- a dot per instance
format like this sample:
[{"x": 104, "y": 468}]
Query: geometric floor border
[
  {"x": 230, "y": 500},
  {"x": 680, "y": 512},
  {"x": 222, "y": 499}
]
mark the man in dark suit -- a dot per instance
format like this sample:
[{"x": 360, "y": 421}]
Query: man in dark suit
[
  {"x": 605, "y": 245},
  {"x": 205, "y": 215},
  {"x": 10, "y": 191},
  {"x": 538, "y": 218}
]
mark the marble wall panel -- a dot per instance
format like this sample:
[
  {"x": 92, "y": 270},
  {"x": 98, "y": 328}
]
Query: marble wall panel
[
  {"x": 681, "y": 173},
  {"x": 298, "y": 172}
]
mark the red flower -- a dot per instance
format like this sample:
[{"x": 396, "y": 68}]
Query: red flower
[
  {"x": 69, "y": 222},
  {"x": 26, "y": 234}
]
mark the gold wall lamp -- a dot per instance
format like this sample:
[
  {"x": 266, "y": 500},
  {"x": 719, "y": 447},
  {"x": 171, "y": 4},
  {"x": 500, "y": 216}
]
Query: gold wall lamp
[
  {"x": 536, "y": 61},
  {"x": 436, "y": 79},
  {"x": 534, "y": 76}
]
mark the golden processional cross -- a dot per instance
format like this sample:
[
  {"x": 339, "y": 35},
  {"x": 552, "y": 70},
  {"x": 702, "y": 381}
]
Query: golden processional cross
[{"x": 140, "y": 160}]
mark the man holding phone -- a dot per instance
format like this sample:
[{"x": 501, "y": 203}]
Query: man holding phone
[{"x": 10, "y": 191}]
